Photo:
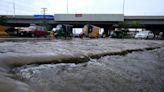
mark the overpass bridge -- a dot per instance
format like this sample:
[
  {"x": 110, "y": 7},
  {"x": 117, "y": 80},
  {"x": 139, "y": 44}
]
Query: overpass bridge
[{"x": 105, "y": 21}]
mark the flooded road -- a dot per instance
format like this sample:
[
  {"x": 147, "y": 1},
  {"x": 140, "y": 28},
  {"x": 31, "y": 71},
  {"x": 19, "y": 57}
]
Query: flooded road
[
  {"x": 135, "y": 72},
  {"x": 100, "y": 65}
]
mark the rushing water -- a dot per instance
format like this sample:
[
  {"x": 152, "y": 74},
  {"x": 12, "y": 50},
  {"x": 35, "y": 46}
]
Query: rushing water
[{"x": 135, "y": 72}]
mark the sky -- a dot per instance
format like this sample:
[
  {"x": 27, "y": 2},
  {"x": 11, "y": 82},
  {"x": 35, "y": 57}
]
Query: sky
[{"x": 131, "y": 7}]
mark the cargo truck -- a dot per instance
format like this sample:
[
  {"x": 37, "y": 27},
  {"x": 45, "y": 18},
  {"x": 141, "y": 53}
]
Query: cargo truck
[{"x": 90, "y": 31}]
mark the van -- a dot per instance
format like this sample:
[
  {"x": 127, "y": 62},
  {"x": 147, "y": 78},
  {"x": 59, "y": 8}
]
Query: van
[{"x": 144, "y": 35}]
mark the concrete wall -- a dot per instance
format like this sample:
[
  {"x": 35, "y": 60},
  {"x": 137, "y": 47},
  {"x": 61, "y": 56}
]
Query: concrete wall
[{"x": 89, "y": 17}]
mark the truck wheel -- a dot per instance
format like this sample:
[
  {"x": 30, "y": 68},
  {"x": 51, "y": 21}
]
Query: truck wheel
[
  {"x": 21, "y": 34},
  {"x": 32, "y": 35}
]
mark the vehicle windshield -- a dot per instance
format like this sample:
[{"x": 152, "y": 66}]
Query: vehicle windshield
[
  {"x": 41, "y": 28},
  {"x": 58, "y": 27},
  {"x": 32, "y": 27},
  {"x": 144, "y": 32}
]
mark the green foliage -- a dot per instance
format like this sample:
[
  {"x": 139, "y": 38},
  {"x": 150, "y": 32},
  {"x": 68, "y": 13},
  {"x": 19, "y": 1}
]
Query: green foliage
[
  {"x": 46, "y": 25},
  {"x": 136, "y": 24},
  {"x": 124, "y": 25},
  {"x": 3, "y": 20}
]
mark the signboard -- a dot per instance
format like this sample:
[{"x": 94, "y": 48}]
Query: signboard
[
  {"x": 89, "y": 17},
  {"x": 43, "y": 16}
]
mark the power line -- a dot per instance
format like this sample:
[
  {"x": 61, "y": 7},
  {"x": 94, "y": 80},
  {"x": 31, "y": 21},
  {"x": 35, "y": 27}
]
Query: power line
[
  {"x": 19, "y": 5},
  {"x": 22, "y": 4},
  {"x": 4, "y": 10},
  {"x": 12, "y": 9},
  {"x": 26, "y": 10},
  {"x": 16, "y": 3}
]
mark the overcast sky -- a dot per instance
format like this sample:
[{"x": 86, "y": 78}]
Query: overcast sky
[{"x": 132, "y": 7}]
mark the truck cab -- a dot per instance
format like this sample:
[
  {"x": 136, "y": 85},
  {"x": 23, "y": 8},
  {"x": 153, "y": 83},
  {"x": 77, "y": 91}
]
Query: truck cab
[{"x": 63, "y": 31}]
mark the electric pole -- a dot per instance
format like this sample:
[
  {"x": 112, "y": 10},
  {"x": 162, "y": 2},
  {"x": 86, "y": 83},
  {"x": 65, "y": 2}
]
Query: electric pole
[
  {"x": 44, "y": 12},
  {"x": 45, "y": 24}
]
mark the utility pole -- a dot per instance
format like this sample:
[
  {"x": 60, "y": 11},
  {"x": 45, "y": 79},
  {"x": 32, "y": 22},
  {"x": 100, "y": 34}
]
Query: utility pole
[
  {"x": 45, "y": 24},
  {"x": 44, "y": 12},
  {"x": 13, "y": 8}
]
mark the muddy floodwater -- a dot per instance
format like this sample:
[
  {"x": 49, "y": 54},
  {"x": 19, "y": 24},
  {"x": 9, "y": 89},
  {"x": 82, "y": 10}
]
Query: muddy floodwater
[
  {"x": 141, "y": 69},
  {"x": 135, "y": 72}
]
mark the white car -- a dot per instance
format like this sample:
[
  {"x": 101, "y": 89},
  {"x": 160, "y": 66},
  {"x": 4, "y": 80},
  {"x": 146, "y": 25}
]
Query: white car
[{"x": 144, "y": 35}]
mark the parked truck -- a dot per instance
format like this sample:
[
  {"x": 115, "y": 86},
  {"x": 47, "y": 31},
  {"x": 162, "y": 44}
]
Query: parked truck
[
  {"x": 63, "y": 31},
  {"x": 3, "y": 32},
  {"x": 7, "y": 31},
  {"x": 90, "y": 31}
]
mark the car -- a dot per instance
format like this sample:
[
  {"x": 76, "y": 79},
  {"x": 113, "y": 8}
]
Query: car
[
  {"x": 33, "y": 31},
  {"x": 144, "y": 35}
]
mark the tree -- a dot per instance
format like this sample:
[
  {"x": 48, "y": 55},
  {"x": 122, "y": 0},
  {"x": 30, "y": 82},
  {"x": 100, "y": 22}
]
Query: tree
[
  {"x": 3, "y": 20},
  {"x": 136, "y": 24},
  {"x": 124, "y": 25},
  {"x": 46, "y": 25}
]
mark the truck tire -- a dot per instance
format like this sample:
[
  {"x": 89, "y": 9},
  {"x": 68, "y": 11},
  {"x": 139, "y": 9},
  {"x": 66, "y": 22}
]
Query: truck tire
[
  {"x": 32, "y": 35},
  {"x": 21, "y": 34}
]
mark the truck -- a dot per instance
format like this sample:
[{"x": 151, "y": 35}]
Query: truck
[
  {"x": 7, "y": 31},
  {"x": 90, "y": 31},
  {"x": 3, "y": 32},
  {"x": 63, "y": 31}
]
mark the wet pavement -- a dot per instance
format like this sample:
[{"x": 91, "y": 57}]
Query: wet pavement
[
  {"x": 15, "y": 39},
  {"x": 141, "y": 71}
]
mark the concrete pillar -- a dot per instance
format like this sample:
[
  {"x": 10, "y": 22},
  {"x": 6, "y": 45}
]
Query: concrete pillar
[{"x": 106, "y": 32}]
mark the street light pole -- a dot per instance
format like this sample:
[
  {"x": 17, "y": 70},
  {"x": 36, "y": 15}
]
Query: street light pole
[
  {"x": 67, "y": 6},
  {"x": 123, "y": 6},
  {"x": 13, "y": 8}
]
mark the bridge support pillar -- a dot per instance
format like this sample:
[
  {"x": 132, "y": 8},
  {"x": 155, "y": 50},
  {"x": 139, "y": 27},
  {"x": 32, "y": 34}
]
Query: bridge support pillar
[{"x": 107, "y": 30}]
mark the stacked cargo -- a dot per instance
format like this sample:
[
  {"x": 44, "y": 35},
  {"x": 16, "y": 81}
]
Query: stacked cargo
[
  {"x": 90, "y": 31},
  {"x": 3, "y": 32}
]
